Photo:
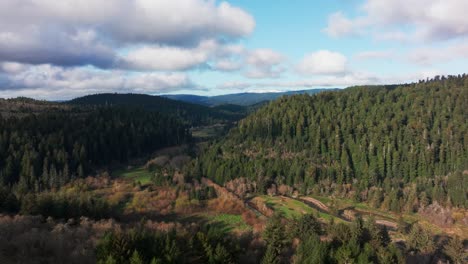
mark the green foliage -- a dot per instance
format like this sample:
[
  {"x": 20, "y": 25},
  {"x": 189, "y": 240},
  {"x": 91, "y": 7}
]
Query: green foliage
[
  {"x": 44, "y": 151},
  {"x": 139, "y": 174},
  {"x": 305, "y": 226},
  {"x": 192, "y": 114},
  {"x": 455, "y": 250},
  {"x": 274, "y": 235},
  {"x": 139, "y": 245},
  {"x": 59, "y": 205},
  {"x": 312, "y": 251},
  {"x": 420, "y": 240},
  {"x": 136, "y": 259},
  {"x": 270, "y": 257},
  {"x": 387, "y": 137}
]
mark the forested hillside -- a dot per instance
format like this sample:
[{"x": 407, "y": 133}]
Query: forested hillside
[
  {"x": 46, "y": 150},
  {"x": 244, "y": 99},
  {"x": 192, "y": 114},
  {"x": 398, "y": 147}
]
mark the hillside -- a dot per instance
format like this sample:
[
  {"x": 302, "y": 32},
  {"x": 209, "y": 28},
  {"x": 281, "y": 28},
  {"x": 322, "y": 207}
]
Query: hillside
[
  {"x": 22, "y": 106},
  {"x": 193, "y": 114},
  {"x": 399, "y": 148},
  {"x": 366, "y": 175},
  {"x": 47, "y": 150},
  {"x": 245, "y": 99}
]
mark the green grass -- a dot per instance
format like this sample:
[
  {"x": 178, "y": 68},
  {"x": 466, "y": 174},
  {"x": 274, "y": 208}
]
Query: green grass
[
  {"x": 139, "y": 174},
  {"x": 207, "y": 132},
  {"x": 324, "y": 200},
  {"x": 289, "y": 208},
  {"x": 228, "y": 222}
]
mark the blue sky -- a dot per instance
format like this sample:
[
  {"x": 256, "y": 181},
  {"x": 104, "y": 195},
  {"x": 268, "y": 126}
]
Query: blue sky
[{"x": 60, "y": 50}]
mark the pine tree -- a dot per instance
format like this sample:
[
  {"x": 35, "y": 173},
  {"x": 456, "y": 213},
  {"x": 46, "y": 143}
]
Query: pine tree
[
  {"x": 136, "y": 259},
  {"x": 274, "y": 234},
  {"x": 455, "y": 250},
  {"x": 270, "y": 257}
]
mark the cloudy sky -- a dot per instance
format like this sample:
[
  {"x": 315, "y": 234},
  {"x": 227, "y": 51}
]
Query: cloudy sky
[{"x": 51, "y": 49}]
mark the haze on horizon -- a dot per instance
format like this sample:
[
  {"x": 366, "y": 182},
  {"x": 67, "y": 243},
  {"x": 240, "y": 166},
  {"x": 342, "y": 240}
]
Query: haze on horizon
[{"x": 63, "y": 49}]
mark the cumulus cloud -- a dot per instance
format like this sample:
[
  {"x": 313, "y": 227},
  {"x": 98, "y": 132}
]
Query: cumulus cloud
[
  {"x": 71, "y": 33},
  {"x": 12, "y": 67},
  {"x": 227, "y": 65},
  {"x": 72, "y": 48},
  {"x": 163, "y": 58},
  {"x": 424, "y": 20},
  {"x": 349, "y": 79},
  {"x": 427, "y": 56},
  {"x": 208, "y": 54},
  {"x": 52, "y": 82},
  {"x": 339, "y": 25},
  {"x": 323, "y": 62},
  {"x": 264, "y": 63}
]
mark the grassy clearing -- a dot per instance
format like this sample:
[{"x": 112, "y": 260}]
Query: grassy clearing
[
  {"x": 325, "y": 200},
  {"x": 207, "y": 132},
  {"x": 291, "y": 208},
  {"x": 139, "y": 174},
  {"x": 228, "y": 222},
  {"x": 288, "y": 207}
]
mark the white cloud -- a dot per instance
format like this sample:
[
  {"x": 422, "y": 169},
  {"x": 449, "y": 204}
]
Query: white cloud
[
  {"x": 347, "y": 80},
  {"x": 423, "y": 19},
  {"x": 264, "y": 58},
  {"x": 339, "y": 25},
  {"x": 227, "y": 65},
  {"x": 12, "y": 67},
  {"x": 90, "y": 32},
  {"x": 52, "y": 82},
  {"x": 264, "y": 63},
  {"x": 209, "y": 53},
  {"x": 428, "y": 56},
  {"x": 323, "y": 62},
  {"x": 164, "y": 58}
]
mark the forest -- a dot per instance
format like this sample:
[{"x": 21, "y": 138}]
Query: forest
[
  {"x": 47, "y": 150},
  {"x": 192, "y": 114},
  {"x": 368, "y": 174},
  {"x": 397, "y": 147}
]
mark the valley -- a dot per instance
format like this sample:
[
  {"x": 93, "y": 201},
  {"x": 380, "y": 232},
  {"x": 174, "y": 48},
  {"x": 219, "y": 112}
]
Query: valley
[{"x": 239, "y": 184}]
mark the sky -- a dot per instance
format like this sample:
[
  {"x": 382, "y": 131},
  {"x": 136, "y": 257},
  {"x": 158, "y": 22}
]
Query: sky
[{"x": 58, "y": 50}]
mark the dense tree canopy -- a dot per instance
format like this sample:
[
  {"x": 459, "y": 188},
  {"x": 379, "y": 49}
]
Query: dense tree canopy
[
  {"x": 409, "y": 140},
  {"x": 46, "y": 150},
  {"x": 192, "y": 114}
]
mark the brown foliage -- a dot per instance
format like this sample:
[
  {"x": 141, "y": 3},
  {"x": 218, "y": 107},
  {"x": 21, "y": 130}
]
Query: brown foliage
[
  {"x": 228, "y": 206},
  {"x": 31, "y": 239},
  {"x": 241, "y": 186},
  {"x": 437, "y": 214}
]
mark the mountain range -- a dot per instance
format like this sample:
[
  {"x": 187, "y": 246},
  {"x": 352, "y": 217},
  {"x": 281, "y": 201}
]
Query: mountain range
[{"x": 244, "y": 99}]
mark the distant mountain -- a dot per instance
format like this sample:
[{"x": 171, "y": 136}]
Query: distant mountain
[
  {"x": 22, "y": 106},
  {"x": 245, "y": 99},
  {"x": 192, "y": 113}
]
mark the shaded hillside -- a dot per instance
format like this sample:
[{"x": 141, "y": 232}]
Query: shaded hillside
[
  {"x": 398, "y": 147},
  {"x": 245, "y": 99},
  {"x": 22, "y": 106},
  {"x": 191, "y": 113},
  {"x": 46, "y": 150}
]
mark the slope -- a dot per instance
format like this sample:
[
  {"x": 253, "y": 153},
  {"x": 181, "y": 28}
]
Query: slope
[
  {"x": 193, "y": 114},
  {"x": 245, "y": 99},
  {"x": 397, "y": 147}
]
